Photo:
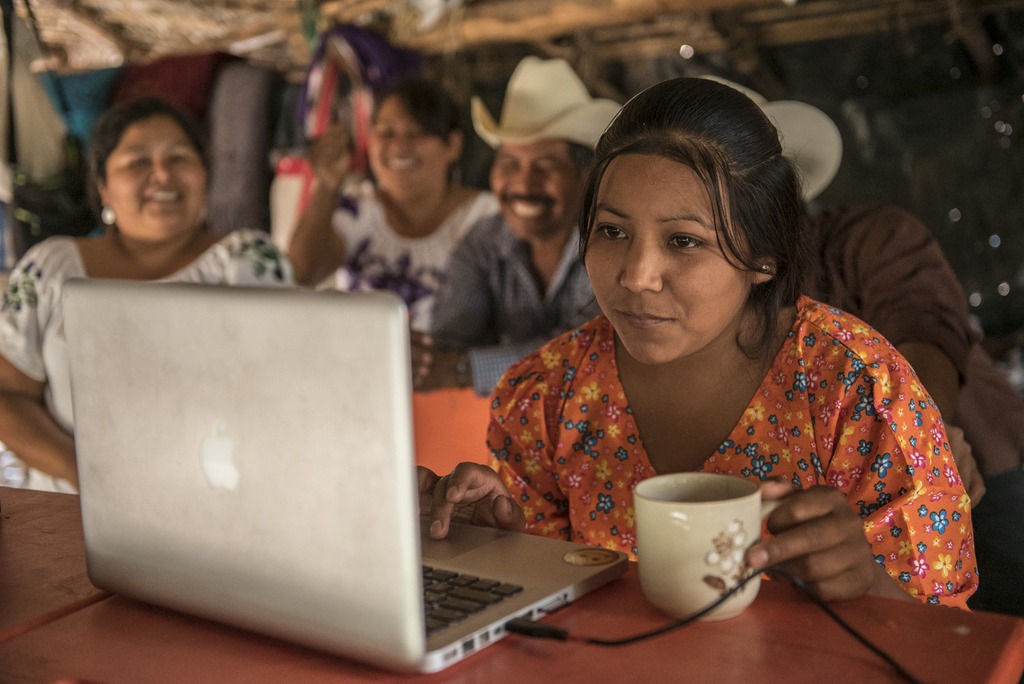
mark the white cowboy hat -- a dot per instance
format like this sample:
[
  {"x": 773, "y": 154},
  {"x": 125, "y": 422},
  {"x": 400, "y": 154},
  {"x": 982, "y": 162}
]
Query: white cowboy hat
[
  {"x": 544, "y": 99},
  {"x": 809, "y": 138}
]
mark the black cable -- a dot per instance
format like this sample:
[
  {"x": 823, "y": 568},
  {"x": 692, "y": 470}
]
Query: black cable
[
  {"x": 542, "y": 631},
  {"x": 809, "y": 593},
  {"x": 539, "y": 630}
]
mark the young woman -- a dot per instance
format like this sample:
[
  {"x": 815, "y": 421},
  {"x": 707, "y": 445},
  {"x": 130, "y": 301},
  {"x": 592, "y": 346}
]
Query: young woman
[
  {"x": 707, "y": 357},
  {"x": 149, "y": 163}
]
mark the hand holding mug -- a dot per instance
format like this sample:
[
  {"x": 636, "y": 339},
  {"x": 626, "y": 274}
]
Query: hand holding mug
[{"x": 819, "y": 538}]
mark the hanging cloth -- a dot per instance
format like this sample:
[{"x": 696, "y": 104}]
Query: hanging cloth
[
  {"x": 40, "y": 138},
  {"x": 349, "y": 67}
]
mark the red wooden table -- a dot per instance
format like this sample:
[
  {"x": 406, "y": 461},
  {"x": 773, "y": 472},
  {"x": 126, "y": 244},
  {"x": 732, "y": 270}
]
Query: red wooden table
[
  {"x": 58, "y": 628},
  {"x": 42, "y": 560}
]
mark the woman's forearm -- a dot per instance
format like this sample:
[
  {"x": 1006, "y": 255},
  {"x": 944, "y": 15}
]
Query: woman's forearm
[
  {"x": 315, "y": 250},
  {"x": 28, "y": 429}
]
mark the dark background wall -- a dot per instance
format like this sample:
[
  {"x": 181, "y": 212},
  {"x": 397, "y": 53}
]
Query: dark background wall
[
  {"x": 926, "y": 124},
  {"x": 925, "y": 128}
]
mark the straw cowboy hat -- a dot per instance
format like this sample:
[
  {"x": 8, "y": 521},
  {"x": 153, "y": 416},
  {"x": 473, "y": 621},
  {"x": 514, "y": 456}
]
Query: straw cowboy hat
[
  {"x": 544, "y": 99},
  {"x": 809, "y": 138}
]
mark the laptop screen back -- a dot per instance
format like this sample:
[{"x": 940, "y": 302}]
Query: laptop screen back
[{"x": 246, "y": 455}]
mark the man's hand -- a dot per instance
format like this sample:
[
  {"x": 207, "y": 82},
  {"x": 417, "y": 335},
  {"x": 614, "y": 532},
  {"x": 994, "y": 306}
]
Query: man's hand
[
  {"x": 471, "y": 493},
  {"x": 434, "y": 368},
  {"x": 817, "y": 537}
]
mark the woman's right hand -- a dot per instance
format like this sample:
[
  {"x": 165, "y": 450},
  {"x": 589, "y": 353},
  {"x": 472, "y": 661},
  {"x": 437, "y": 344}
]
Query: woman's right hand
[
  {"x": 28, "y": 428},
  {"x": 818, "y": 537},
  {"x": 331, "y": 157},
  {"x": 471, "y": 493}
]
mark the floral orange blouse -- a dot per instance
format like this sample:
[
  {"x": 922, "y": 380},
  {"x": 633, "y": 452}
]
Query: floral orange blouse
[{"x": 839, "y": 406}]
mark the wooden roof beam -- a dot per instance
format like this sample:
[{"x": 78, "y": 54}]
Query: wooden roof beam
[
  {"x": 659, "y": 37},
  {"x": 349, "y": 11},
  {"x": 94, "y": 20},
  {"x": 513, "y": 21},
  {"x": 840, "y": 18}
]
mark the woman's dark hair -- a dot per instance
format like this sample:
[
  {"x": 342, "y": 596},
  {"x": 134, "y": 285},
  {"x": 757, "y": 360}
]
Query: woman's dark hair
[
  {"x": 110, "y": 128},
  {"x": 428, "y": 104},
  {"x": 734, "y": 149}
]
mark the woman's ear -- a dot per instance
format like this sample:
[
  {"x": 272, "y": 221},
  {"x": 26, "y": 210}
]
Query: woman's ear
[{"x": 764, "y": 273}]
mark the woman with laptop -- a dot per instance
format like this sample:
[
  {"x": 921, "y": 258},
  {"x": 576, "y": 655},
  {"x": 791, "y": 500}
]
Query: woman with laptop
[
  {"x": 708, "y": 357},
  {"x": 150, "y": 167}
]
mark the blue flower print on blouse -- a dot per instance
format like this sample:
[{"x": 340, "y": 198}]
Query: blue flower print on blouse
[{"x": 939, "y": 521}]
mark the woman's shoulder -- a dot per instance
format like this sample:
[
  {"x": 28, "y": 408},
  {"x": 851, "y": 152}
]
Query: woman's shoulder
[
  {"x": 479, "y": 203},
  {"x": 567, "y": 358},
  {"x": 238, "y": 239},
  {"x": 54, "y": 259},
  {"x": 839, "y": 325},
  {"x": 576, "y": 363},
  {"x": 473, "y": 206},
  {"x": 823, "y": 330},
  {"x": 242, "y": 256}
]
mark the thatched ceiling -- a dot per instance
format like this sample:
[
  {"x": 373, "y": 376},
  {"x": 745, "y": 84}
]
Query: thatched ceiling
[{"x": 90, "y": 34}]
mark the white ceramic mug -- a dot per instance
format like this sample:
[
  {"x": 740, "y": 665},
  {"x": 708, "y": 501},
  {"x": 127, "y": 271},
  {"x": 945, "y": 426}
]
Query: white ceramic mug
[{"x": 693, "y": 531}]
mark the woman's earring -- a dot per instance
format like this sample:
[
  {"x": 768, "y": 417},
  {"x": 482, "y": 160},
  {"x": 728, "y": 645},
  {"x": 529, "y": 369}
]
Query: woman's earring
[
  {"x": 765, "y": 268},
  {"x": 107, "y": 215}
]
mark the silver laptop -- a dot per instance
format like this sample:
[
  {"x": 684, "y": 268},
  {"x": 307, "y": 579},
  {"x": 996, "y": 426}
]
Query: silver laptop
[{"x": 246, "y": 455}]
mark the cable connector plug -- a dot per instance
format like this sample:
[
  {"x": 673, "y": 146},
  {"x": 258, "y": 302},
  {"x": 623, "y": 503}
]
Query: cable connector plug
[{"x": 535, "y": 629}]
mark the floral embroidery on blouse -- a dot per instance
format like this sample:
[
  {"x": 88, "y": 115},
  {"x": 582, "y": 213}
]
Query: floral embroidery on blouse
[
  {"x": 266, "y": 258},
  {"x": 21, "y": 289},
  {"x": 839, "y": 407},
  {"x": 368, "y": 270}
]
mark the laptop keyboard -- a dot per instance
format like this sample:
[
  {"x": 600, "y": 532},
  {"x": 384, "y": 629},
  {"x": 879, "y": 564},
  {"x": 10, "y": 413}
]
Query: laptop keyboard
[{"x": 449, "y": 597}]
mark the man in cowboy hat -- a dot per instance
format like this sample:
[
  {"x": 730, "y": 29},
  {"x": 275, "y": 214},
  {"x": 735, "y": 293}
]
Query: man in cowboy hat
[{"x": 515, "y": 280}]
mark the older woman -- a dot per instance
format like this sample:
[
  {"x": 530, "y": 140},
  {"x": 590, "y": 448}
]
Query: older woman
[
  {"x": 396, "y": 234},
  {"x": 149, "y": 164},
  {"x": 708, "y": 357}
]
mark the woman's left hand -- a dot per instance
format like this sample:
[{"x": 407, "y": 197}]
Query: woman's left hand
[{"x": 817, "y": 537}]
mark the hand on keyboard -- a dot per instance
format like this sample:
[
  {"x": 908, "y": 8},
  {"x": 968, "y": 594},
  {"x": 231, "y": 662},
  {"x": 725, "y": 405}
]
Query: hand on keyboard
[{"x": 471, "y": 493}]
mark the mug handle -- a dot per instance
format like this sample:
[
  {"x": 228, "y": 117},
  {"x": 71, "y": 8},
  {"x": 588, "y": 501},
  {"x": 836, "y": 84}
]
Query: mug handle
[{"x": 768, "y": 506}]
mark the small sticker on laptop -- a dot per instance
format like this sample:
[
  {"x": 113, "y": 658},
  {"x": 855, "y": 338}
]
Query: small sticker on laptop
[{"x": 593, "y": 556}]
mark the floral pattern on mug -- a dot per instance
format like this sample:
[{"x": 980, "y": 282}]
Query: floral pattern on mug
[{"x": 727, "y": 556}]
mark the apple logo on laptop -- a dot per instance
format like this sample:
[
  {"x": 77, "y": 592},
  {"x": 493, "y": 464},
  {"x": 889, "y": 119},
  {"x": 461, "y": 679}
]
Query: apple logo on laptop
[{"x": 217, "y": 459}]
